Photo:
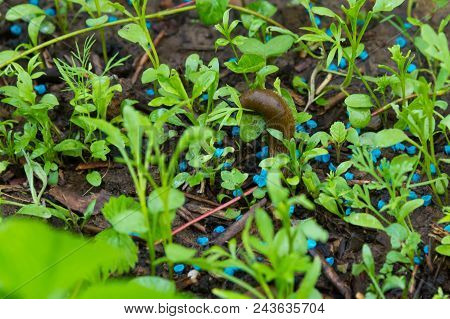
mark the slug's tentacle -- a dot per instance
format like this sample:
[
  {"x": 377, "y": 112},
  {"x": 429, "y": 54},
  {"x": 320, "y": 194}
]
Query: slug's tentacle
[{"x": 275, "y": 112}]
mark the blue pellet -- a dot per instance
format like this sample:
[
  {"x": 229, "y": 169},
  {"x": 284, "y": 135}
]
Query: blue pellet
[
  {"x": 447, "y": 149},
  {"x": 381, "y": 203},
  {"x": 237, "y": 192},
  {"x": 330, "y": 261},
  {"x": 415, "y": 178},
  {"x": 412, "y": 195},
  {"x": 376, "y": 153},
  {"x": 226, "y": 165},
  {"x": 50, "y": 12},
  {"x": 238, "y": 218},
  {"x": 426, "y": 249},
  {"x": 112, "y": 18},
  {"x": 204, "y": 97},
  {"x": 40, "y": 89},
  {"x": 417, "y": 260},
  {"x": 407, "y": 25},
  {"x": 16, "y": 29},
  {"x": 427, "y": 200},
  {"x": 264, "y": 153},
  {"x": 411, "y": 150},
  {"x": 150, "y": 92},
  {"x": 432, "y": 169},
  {"x": 182, "y": 166},
  {"x": 197, "y": 268},
  {"x": 411, "y": 68},
  {"x": 364, "y": 55},
  {"x": 202, "y": 241},
  {"x": 401, "y": 41},
  {"x": 343, "y": 63},
  {"x": 218, "y": 152},
  {"x": 35, "y": 2},
  {"x": 311, "y": 124},
  {"x": 349, "y": 176},
  {"x": 219, "y": 229},
  {"x": 311, "y": 244},
  {"x": 360, "y": 22},
  {"x": 178, "y": 269},
  {"x": 331, "y": 167},
  {"x": 333, "y": 67},
  {"x": 291, "y": 210},
  {"x": 328, "y": 32},
  {"x": 148, "y": 24},
  {"x": 447, "y": 228},
  {"x": 230, "y": 270},
  {"x": 299, "y": 128},
  {"x": 235, "y": 131},
  {"x": 348, "y": 211},
  {"x": 317, "y": 20}
]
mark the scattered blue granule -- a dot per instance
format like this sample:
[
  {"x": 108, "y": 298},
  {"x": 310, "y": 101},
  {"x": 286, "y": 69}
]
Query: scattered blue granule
[
  {"x": 197, "y": 268},
  {"x": 182, "y": 166},
  {"x": 237, "y": 192},
  {"x": 331, "y": 167},
  {"x": 297, "y": 154},
  {"x": 40, "y": 89},
  {"x": 381, "y": 203},
  {"x": 16, "y": 29},
  {"x": 264, "y": 153},
  {"x": 218, "y": 152},
  {"x": 349, "y": 176},
  {"x": 299, "y": 128},
  {"x": 311, "y": 124},
  {"x": 411, "y": 150},
  {"x": 360, "y": 22},
  {"x": 230, "y": 270},
  {"x": 204, "y": 97},
  {"x": 447, "y": 228},
  {"x": 202, "y": 241},
  {"x": 261, "y": 179},
  {"x": 427, "y": 200},
  {"x": 235, "y": 131},
  {"x": 399, "y": 147},
  {"x": 411, "y": 68},
  {"x": 238, "y": 218},
  {"x": 219, "y": 142},
  {"x": 219, "y": 229},
  {"x": 35, "y": 2},
  {"x": 432, "y": 169},
  {"x": 412, "y": 195},
  {"x": 328, "y": 32},
  {"x": 407, "y": 25},
  {"x": 291, "y": 210},
  {"x": 317, "y": 20},
  {"x": 311, "y": 244},
  {"x": 343, "y": 63},
  {"x": 234, "y": 60},
  {"x": 364, "y": 55},
  {"x": 330, "y": 261},
  {"x": 426, "y": 249},
  {"x": 348, "y": 211},
  {"x": 332, "y": 67},
  {"x": 415, "y": 178},
  {"x": 132, "y": 233},
  {"x": 447, "y": 149},
  {"x": 417, "y": 260},
  {"x": 226, "y": 165},
  {"x": 50, "y": 12},
  {"x": 112, "y": 18},
  {"x": 376, "y": 153},
  {"x": 148, "y": 24},
  {"x": 150, "y": 92},
  {"x": 267, "y": 38},
  {"x": 323, "y": 158},
  {"x": 179, "y": 268},
  {"x": 401, "y": 41}
]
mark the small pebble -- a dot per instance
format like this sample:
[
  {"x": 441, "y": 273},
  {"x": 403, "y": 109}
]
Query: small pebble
[
  {"x": 349, "y": 176},
  {"x": 364, "y": 55},
  {"x": 218, "y": 152},
  {"x": 333, "y": 67},
  {"x": 235, "y": 131},
  {"x": 297, "y": 154},
  {"x": 343, "y": 63},
  {"x": 182, "y": 166},
  {"x": 311, "y": 244},
  {"x": 412, "y": 195},
  {"x": 202, "y": 241},
  {"x": 193, "y": 274},
  {"x": 219, "y": 229},
  {"x": 150, "y": 92},
  {"x": 411, "y": 68},
  {"x": 331, "y": 167},
  {"x": 415, "y": 178},
  {"x": 427, "y": 200},
  {"x": 401, "y": 41},
  {"x": 426, "y": 249},
  {"x": 237, "y": 192},
  {"x": 432, "y": 169},
  {"x": 50, "y": 12},
  {"x": 447, "y": 149},
  {"x": 178, "y": 268},
  {"x": 381, "y": 203},
  {"x": 311, "y": 124},
  {"x": 40, "y": 89},
  {"x": 447, "y": 228},
  {"x": 411, "y": 150},
  {"x": 330, "y": 260},
  {"x": 15, "y": 29}
]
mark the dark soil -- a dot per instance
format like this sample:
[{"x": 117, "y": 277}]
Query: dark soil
[{"x": 184, "y": 35}]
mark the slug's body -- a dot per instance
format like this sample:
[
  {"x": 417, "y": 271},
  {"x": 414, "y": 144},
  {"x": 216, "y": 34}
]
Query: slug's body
[{"x": 275, "y": 112}]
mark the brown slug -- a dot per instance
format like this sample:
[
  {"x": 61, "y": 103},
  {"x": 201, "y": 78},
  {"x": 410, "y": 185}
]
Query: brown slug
[{"x": 275, "y": 111}]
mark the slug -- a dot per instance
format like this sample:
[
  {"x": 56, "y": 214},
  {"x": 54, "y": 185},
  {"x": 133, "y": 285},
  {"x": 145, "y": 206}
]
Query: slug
[{"x": 275, "y": 112}]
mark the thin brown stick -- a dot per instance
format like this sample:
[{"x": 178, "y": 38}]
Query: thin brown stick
[
  {"x": 201, "y": 199},
  {"x": 186, "y": 215}
]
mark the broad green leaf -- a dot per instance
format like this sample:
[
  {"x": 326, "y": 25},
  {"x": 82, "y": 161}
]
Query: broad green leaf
[
  {"x": 178, "y": 253},
  {"x": 70, "y": 147},
  {"x": 35, "y": 210},
  {"x": 115, "y": 137},
  {"x": 164, "y": 198},
  {"x": 329, "y": 203},
  {"x": 94, "y": 178},
  {"x": 125, "y": 216},
  {"x": 134, "y": 33},
  {"x": 251, "y": 127},
  {"x": 443, "y": 250},
  {"x": 359, "y": 101},
  {"x": 338, "y": 132},
  {"x": 274, "y": 47},
  {"x": 389, "y": 137},
  {"x": 364, "y": 220},
  {"x": 211, "y": 11},
  {"x": 264, "y": 224},
  {"x": 368, "y": 259},
  {"x": 393, "y": 282},
  {"x": 248, "y": 63},
  {"x": 33, "y": 28},
  {"x": 386, "y": 5},
  {"x": 228, "y": 294},
  {"x": 24, "y": 12},
  {"x": 97, "y": 21}
]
